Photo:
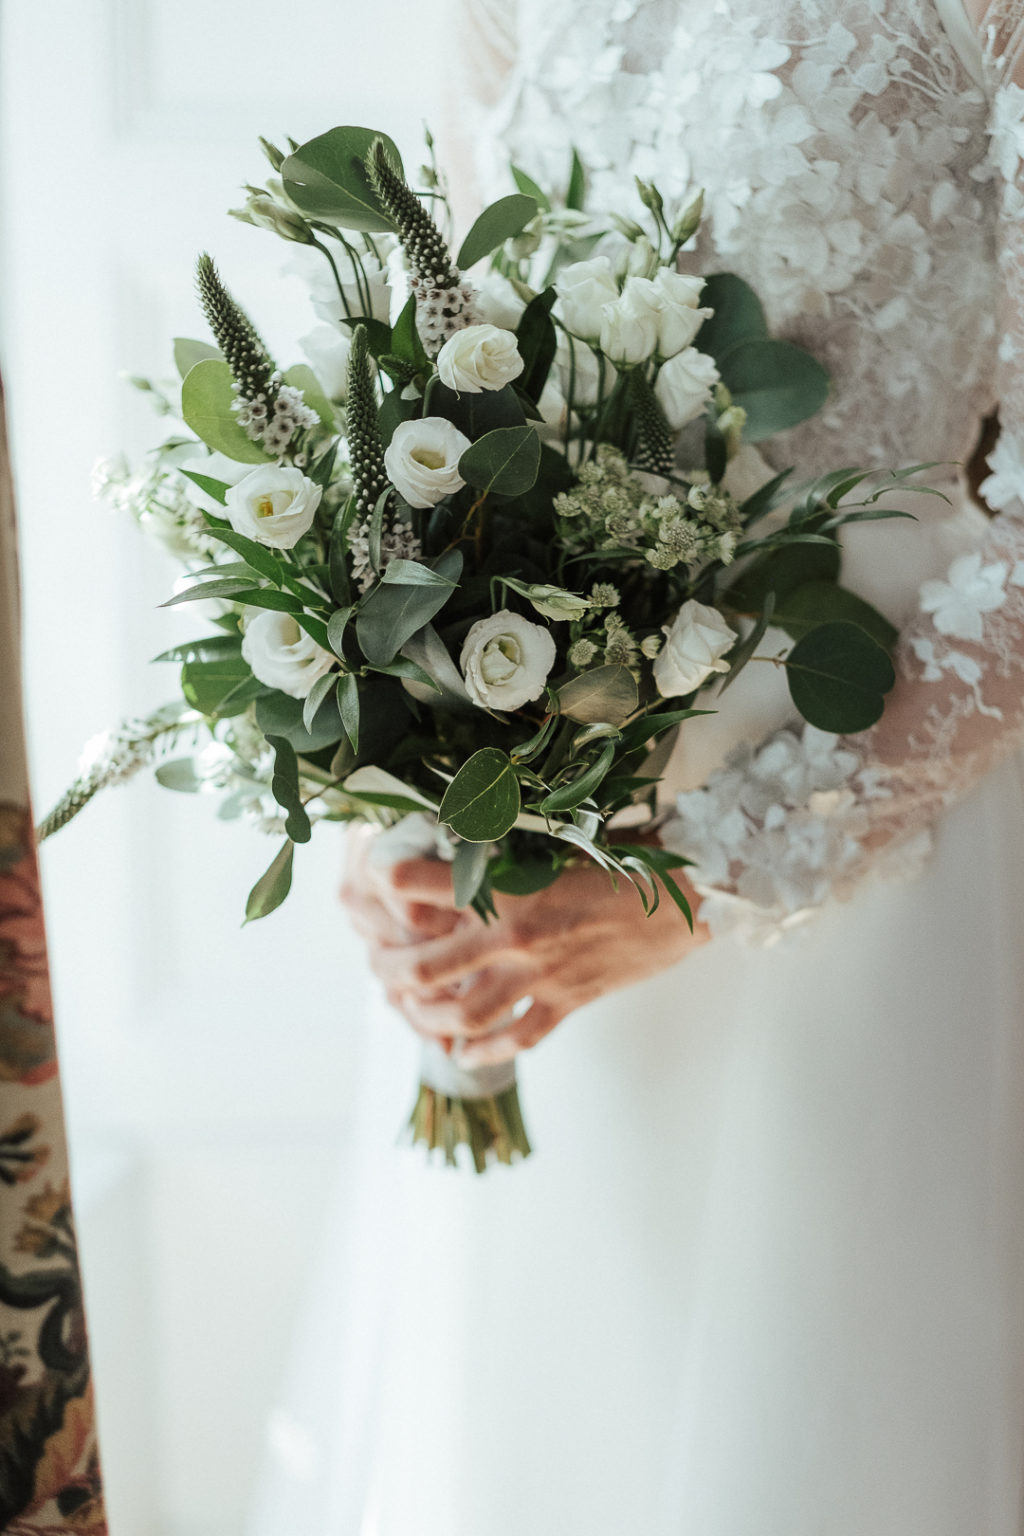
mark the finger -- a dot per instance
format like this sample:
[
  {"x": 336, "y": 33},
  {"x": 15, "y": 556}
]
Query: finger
[
  {"x": 539, "y": 1020},
  {"x": 432, "y": 963},
  {"x": 397, "y": 1001},
  {"x": 426, "y": 880},
  {"x": 466, "y": 1015}
]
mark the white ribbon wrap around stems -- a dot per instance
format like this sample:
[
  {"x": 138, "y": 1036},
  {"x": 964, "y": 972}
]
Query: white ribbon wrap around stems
[{"x": 443, "y": 1073}]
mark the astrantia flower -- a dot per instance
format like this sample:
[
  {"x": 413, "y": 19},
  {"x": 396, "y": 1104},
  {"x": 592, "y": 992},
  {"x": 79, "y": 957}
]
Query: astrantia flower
[
  {"x": 422, "y": 460},
  {"x": 274, "y": 504},
  {"x": 282, "y": 655},
  {"x": 970, "y": 590},
  {"x": 506, "y": 660}
]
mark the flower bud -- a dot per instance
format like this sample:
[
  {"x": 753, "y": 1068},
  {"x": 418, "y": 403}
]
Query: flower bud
[
  {"x": 650, "y": 196},
  {"x": 551, "y": 602},
  {"x": 731, "y": 423},
  {"x": 263, "y": 210},
  {"x": 627, "y": 227},
  {"x": 688, "y": 222},
  {"x": 273, "y": 154}
]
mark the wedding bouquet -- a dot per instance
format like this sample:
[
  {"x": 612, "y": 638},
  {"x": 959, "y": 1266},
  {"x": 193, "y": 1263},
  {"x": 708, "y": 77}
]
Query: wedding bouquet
[{"x": 478, "y": 563}]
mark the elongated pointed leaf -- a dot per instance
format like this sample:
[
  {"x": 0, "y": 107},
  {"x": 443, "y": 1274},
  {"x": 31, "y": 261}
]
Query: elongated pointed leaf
[
  {"x": 586, "y": 784},
  {"x": 215, "y": 488},
  {"x": 482, "y": 801},
  {"x": 348, "y": 707},
  {"x": 272, "y": 887},
  {"x": 410, "y": 573},
  {"x": 284, "y": 786},
  {"x": 507, "y": 217},
  {"x": 207, "y": 648},
  {"x": 529, "y": 186},
  {"x": 257, "y": 555},
  {"x": 315, "y": 697},
  {"x": 468, "y": 869},
  {"x": 206, "y": 400},
  {"x": 391, "y": 615}
]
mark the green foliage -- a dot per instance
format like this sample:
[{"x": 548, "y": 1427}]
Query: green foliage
[
  {"x": 469, "y": 866},
  {"x": 503, "y": 462},
  {"x": 215, "y": 488},
  {"x": 502, "y": 221},
  {"x": 738, "y": 315},
  {"x": 411, "y": 573},
  {"x": 188, "y": 352},
  {"x": 179, "y": 774},
  {"x": 302, "y": 377},
  {"x": 206, "y": 648},
  {"x": 315, "y": 697},
  {"x": 568, "y": 796},
  {"x": 576, "y": 192},
  {"x": 527, "y": 185},
  {"x": 406, "y": 344},
  {"x": 537, "y": 342},
  {"x": 390, "y": 615},
  {"x": 482, "y": 801},
  {"x": 206, "y": 399},
  {"x": 606, "y": 693},
  {"x": 327, "y": 179},
  {"x": 838, "y": 677},
  {"x": 272, "y": 887},
  {"x": 776, "y": 383},
  {"x": 819, "y": 602},
  {"x": 348, "y": 707},
  {"x": 476, "y": 415},
  {"x": 277, "y": 714},
  {"x": 284, "y": 786},
  {"x": 219, "y": 688},
  {"x": 781, "y": 571}
]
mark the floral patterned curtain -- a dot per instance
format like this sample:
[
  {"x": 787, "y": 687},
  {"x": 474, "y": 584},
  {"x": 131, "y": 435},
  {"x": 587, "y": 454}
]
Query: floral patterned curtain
[{"x": 49, "y": 1460}]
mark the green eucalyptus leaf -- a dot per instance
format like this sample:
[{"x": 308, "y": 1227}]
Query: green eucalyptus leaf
[
  {"x": 348, "y": 707},
  {"x": 267, "y": 597},
  {"x": 336, "y": 626},
  {"x": 738, "y": 315},
  {"x": 188, "y": 352},
  {"x": 210, "y": 686},
  {"x": 504, "y": 461},
  {"x": 284, "y": 786},
  {"x": 838, "y": 677},
  {"x": 277, "y": 714},
  {"x": 502, "y": 221},
  {"x": 818, "y": 602},
  {"x": 228, "y": 587},
  {"x": 326, "y": 178},
  {"x": 302, "y": 377},
  {"x": 180, "y": 774},
  {"x": 411, "y": 573},
  {"x": 405, "y": 668},
  {"x": 537, "y": 342},
  {"x": 649, "y": 727},
  {"x": 206, "y": 400},
  {"x": 482, "y": 801},
  {"x": 604, "y": 694},
  {"x": 257, "y": 555},
  {"x": 391, "y": 615},
  {"x": 475, "y": 415},
  {"x": 272, "y": 887},
  {"x": 776, "y": 383},
  {"x": 781, "y": 571},
  {"x": 469, "y": 866}
]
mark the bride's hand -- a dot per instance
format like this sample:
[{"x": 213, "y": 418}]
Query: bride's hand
[{"x": 456, "y": 977}]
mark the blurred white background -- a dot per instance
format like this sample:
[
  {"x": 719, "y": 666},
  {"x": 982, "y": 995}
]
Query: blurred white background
[{"x": 208, "y": 1070}]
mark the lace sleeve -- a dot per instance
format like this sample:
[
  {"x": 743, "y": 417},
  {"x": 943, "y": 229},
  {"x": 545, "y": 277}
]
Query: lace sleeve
[{"x": 805, "y": 817}]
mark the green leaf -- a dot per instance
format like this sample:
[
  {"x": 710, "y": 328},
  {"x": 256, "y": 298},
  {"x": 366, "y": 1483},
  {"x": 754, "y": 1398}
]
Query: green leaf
[
  {"x": 375, "y": 532},
  {"x": 568, "y": 796},
  {"x": 475, "y": 415},
  {"x": 503, "y": 220},
  {"x": 215, "y": 488},
  {"x": 523, "y": 877},
  {"x": 537, "y": 343},
  {"x": 267, "y": 597},
  {"x": 738, "y": 315},
  {"x": 777, "y": 384},
  {"x": 529, "y": 186},
  {"x": 406, "y": 342},
  {"x": 206, "y": 401},
  {"x": 744, "y": 651},
  {"x": 326, "y": 178},
  {"x": 410, "y": 573},
  {"x": 180, "y": 774},
  {"x": 336, "y": 626},
  {"x": 648, "y": 727},
  {"x": 393, "y": 411},
  {"x": 272, "y": 887},
  {"x": 302, "y": 377},
  {"x": 348, "y": 707},
  {"x": 337, "y": 554},
  {"x": 403, "y": 667},
  {"x": 469, "y": 866},
  {"x": 315, "y": 697},
  {"x": 781, "y": 571},
  {"x": 208, "y": 648},
  {"x": 818, "y": 602},
  {"x": 188, "y": 352},
  {"x": 254, "y": 554},
  {"x": 576, "y": 193},
  {"x": 228, "y": 586},
  {"x": 837, "y": 678},
  {"x": 391, "y": 615},
  {"x": 284, "y": 786},
  {"x": 207, "y": 685},
  {"x": 316, "y": 629},
  {"x": 764, "y": 500},
  {"x": 482, "y": 801},
  {"x": 277, "y": 714},
  {"x": 504, "y": 461},
  {"x": 605, "y": 694}
]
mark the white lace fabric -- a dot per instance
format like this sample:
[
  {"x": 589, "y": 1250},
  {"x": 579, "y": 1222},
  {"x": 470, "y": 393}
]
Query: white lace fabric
[{"x": 872, "y": 192}]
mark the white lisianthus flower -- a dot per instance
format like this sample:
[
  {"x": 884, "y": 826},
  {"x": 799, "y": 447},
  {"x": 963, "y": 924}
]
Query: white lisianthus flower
[
  {"x": 479, "y": 358},
  {"x": 282, "y": 655},
  {"x": 215, "y": 466},
  {"x": 497, "y": 301},
  {"x": 695, "y": 643},
  {"x": 578, "y": 366},
  {"x": 584, "y": 288},
  {"x": 422, "y": 460},
  {"x": 506, "y": 660},
  {"x": 274, "y": 505},
  {"x": 327, "y": 349},
  {"x": 684, "y": 386},
  {"x": 629, "y": 326},
  {"x": 679, "y": 317}
]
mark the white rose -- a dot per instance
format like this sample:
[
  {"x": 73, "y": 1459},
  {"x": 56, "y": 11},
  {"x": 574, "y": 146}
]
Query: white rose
[
  {"x": 282, "y": 655},
  {"x": 497, "y": 301},
  {"x": 274, "y": 504},
  {"x": 584, "y": 288},
  {"x": 422, "y": 460},
  {"x": 679, "y": 317},
  {"x": 629, "y": 326},
  {"x": 684, "y": 386},
  {"x": 215, "y": 466},
  {"x": 695, "y": 643},
  {"x": 327, "y": 349},
  {"x": 479, "y": 357},
  {"x": 506, "y": 660},
  {"x": 578, "y": 365}
]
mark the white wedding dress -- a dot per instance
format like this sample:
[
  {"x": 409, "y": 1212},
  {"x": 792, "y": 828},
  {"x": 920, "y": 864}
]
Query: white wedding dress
[{"x": 764, "y": 1275}]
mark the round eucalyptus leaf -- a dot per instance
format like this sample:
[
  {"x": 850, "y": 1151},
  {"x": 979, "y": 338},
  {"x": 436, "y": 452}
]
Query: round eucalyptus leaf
[{"x": 838, "y": 677}]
